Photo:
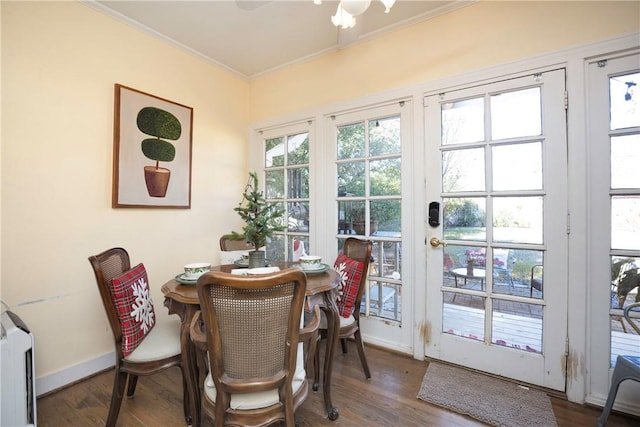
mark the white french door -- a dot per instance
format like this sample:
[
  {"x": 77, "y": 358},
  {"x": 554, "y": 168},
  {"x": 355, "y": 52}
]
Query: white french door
[
  {"x": 496, "y": 165},
  {"x": 614, "y": 221}
]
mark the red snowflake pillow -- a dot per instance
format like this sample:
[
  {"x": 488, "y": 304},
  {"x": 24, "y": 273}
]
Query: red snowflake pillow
[
  {"x": 349, "y": 272},
  {"x": 131, "y": 297}
]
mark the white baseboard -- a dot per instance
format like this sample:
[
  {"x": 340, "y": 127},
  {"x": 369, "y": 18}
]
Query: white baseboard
[{"x": 74, "y": 373}]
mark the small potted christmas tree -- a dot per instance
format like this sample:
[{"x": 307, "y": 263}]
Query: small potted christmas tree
[{"x": 261, "y": 219}]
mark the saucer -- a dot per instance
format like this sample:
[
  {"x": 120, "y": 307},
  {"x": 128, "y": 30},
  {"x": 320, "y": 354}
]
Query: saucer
[
  {"x": 180, "y": 278},
  {"x": 320, "y": 270},
  {"x": 244, "y": 263}
]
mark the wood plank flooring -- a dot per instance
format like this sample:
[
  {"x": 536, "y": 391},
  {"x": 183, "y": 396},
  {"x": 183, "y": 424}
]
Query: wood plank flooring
[{"x": 388, "y": 399}]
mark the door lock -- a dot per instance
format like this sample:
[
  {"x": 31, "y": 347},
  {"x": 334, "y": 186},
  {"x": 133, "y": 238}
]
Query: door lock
[{"x": 435, "y": 242}]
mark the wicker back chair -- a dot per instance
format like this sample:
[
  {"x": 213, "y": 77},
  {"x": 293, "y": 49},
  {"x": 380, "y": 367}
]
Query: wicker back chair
[
  {"x": 160, "y": 349},
  {"x": 251, "y": 326},
  {"x": 228, "y": 243},
  {"x": 358, "y": 250}
]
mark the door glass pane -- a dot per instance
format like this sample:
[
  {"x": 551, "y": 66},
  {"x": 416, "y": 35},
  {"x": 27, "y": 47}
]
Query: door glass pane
[
  {"x": 274, "y": 183},
  {"x": 517, "y": 325},
  {"x": 517, "y": 167},
  {"x": 384, "y": 300},
  {"x": 386, "y": 260},
  {"x": 625, "y": 279},
  {"x": 518, "y": 272},
  {"x": 517, "y": 219},
  {"x": 351, "y": 141},
  {"x": 298, "y": 183},
  {"x": 385, "y": 177},
  {"x": 385, "y": 218},
  {"x": 516, "y": 114},
  {"x": 623, "y": 91},
  {"x": 384, "y": 136},
  {"x": 463, "y": 121},
  {"x": 274, "y": 152},
  {"x": 464, "y": 218},
  {"x": 298, "y": 149},
  {"x": 298, "y": 216},
  {"x": 463, "y": 315},
  {"x": 625, "y": 222},
  {"x": 464, "y": 267},
  {"x": 625, "y": 158},
  {"x": 351, "y": 178},
  {"x": 463, "y": 170}
]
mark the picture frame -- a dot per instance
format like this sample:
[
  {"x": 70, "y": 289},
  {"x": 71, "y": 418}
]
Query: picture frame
[{"x": 152, "y": 143}]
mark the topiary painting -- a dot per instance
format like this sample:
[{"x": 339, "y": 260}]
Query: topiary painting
[{"x": 159, "y": 124}]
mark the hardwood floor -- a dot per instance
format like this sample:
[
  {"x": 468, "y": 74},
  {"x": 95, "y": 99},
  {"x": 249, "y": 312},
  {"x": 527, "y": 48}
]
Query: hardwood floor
[{"x": 388, "y": 399}]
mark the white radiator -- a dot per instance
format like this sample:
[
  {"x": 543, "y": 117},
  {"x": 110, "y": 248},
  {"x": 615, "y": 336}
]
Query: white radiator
[{"x": 18, "y": 373}]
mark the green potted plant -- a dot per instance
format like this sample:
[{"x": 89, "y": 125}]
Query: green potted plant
[
  {"x": 159, "y": 124},
  {"x": 358, "y": 221},
  {"x": 261, "y": 219}
]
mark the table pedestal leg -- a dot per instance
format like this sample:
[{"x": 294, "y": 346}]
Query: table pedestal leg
[
  {"x": 189, "y": 360},
  {"x": 333, "y": 328}
]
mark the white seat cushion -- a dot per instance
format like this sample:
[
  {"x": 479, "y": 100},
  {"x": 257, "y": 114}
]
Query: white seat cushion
[
  {"x": 162, "y": 341},
  {"x": 344, "y": 321},
  {"x": 261, "y": 399}
]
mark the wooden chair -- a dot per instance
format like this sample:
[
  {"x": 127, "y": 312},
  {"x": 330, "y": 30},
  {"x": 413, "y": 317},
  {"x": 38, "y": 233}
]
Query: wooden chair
[
  {"x": 357, "y": 250},
  {"x": 228, "y": 243},
  {"x": 627, "y": 367},
  {"x": 160, "y": 349},
  {"x": 250, "y": 326}
]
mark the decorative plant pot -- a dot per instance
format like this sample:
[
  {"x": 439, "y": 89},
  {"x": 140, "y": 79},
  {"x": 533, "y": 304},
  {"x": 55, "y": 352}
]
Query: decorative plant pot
[
  {"x": 257, "y": 259},
  {"x": 470, "y": 269},
  {"x": 157, "y": 180},
  {"x": 359, "y": 227}
]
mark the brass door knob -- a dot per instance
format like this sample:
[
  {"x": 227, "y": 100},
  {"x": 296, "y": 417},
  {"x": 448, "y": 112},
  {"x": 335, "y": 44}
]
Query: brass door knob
[{"x": 435, "y": 242}]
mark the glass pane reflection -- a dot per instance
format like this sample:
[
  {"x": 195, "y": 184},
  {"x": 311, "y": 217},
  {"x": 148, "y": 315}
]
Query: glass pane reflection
[
  {"x": 517, "y": 325},
  {"x": 463, "y": 170},
  {"x": 385, "y": 177},
  {"x": 517, "y": 219},
  {"x": 625, "y": 279},
  {"x": 625, "y": 158},
  {"x": 298, "y": 149},
  {"x": 351, "y": 141},
  {"x": 625, "y": 222},
  {"x": 274, "y": 152},
  {"x": 463, "y": 121},
  {"x": 516, "y": 114},
  {"x": 624, "y": 94},
  {"x": 464, "y": 218},
  {"x": 384, "y": 136},
  {"x": 274, "y": 184},
  {"x": 351, "y": 178},
  {"x": 517, "y": 167},
  {"x": 463, "y": 315}
]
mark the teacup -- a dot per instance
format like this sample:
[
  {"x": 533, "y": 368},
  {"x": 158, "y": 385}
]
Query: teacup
[
  {"x": 195, "y": 270},
  {"x": 310, "y": 262}
]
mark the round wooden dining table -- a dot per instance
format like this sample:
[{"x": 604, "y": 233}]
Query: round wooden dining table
[{"x": 183, "y": 300}]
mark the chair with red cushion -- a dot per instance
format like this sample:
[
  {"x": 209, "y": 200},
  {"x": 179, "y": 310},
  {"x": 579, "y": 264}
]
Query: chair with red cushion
[
  {"x": 352, "y": 266},
  {"x": 144, "y": 344}
]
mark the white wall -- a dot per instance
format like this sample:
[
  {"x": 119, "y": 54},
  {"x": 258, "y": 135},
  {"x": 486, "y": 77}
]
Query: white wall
[{"x": 60, "y": 61}]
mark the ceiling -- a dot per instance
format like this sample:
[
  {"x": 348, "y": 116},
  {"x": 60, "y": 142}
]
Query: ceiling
[{"x": 254, "y": 37}]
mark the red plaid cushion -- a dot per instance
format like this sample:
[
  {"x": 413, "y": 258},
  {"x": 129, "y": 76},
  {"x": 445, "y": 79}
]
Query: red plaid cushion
[
  {"x": 349, "y": 275},
  {"x": 131, "y": 297}
]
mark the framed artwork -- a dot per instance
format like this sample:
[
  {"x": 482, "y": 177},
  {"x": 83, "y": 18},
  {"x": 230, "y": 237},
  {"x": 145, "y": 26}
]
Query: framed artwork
[{"x": 151, "y": 151}]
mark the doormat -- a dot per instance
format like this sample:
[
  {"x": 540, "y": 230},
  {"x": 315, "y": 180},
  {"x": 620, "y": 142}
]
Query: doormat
[{"x": 487, "y": 399}]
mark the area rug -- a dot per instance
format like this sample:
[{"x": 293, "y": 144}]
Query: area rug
[{"x": 487, "y": 399}]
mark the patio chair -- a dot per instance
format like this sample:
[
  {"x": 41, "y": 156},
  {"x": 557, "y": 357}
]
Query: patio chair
[
  {"x": 627, "y": 367},
  {"x": 536, "y": 279},
  {"x": 250, "y": 326}
]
